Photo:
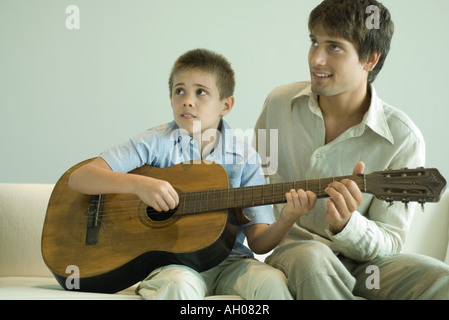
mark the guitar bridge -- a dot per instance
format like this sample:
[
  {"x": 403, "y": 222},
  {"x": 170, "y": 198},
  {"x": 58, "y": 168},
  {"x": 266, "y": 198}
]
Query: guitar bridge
[{"x": 94, "y": 219}]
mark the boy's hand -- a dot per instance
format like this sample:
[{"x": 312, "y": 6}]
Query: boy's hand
[
  {"x": 158, "y": 194},
  {"x": 298, "y": 204}
]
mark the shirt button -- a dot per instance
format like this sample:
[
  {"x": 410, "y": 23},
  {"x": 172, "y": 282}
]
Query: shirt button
[
  {"x": 318, "y": 155},
  {"x": 192, "y": 141}
]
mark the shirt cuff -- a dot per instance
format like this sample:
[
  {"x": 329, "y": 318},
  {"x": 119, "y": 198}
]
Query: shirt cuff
[{"x": 351, "y": 234}]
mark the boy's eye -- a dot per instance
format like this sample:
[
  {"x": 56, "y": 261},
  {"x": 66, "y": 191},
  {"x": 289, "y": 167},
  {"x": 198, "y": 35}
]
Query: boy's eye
[
  {"x": 179, "y": 91},
  {"x": 314, "y": 43},
  {"x": 335, "y": 48},
  {"x": 201, "y": 92}
]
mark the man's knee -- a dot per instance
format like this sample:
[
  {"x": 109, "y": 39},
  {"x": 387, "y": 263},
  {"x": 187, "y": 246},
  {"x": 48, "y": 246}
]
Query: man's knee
[
  {"x": 309, "y": 256},
  {"x": 313, "y": 271}
]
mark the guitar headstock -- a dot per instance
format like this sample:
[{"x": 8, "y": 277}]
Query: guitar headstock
[{"x": 406, "y": 185}]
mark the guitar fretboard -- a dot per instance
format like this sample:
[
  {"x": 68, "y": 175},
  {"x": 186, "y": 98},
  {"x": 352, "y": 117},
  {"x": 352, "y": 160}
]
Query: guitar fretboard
[{"x": 222, "y": 199}]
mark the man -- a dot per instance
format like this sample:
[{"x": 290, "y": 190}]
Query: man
[{"x": 326, "y": 126}]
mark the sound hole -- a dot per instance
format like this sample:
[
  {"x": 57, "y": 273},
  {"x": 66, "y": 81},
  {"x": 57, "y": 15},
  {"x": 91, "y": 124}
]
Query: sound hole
[{"x": 160, "y": 216}]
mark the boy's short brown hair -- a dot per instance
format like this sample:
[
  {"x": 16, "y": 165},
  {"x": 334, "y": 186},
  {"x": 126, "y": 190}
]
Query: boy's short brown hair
[
  {"x": 210, "y": 62},
  {"x": 347, "y": 19}
]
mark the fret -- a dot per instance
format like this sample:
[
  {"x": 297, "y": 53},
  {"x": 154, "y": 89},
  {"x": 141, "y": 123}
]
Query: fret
[
  {"x": 202, "y": 202},
  {"x": 252, "y": 189},
  {"x": 213, "y": 202},
  {"x": 263, "y": 200},
  {"x": 235, "y": 198}
]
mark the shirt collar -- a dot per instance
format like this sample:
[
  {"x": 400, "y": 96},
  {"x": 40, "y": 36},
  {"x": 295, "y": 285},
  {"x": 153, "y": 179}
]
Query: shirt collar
[
  {"x": 225, "y": 143},
  {"x": 375, "y": 117}
]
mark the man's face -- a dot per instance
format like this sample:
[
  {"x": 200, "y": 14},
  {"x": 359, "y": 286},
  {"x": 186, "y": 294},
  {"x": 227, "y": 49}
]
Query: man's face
[{"x": 334, "y": 64}]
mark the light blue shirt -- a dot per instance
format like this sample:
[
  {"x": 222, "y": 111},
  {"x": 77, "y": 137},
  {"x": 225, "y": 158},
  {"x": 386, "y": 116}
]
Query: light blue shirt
[{"x": 166, "y": 145}]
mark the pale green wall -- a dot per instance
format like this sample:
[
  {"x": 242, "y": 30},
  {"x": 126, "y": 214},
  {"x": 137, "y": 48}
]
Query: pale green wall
[{"x": 66, "y": 95}]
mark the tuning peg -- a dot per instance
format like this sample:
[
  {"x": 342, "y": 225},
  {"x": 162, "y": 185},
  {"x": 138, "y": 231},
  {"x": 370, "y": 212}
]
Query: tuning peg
[
  {"x": 421, "y": 202},
  {"x": 390, "y": 204},
  {"x": 405, "y": 201}
]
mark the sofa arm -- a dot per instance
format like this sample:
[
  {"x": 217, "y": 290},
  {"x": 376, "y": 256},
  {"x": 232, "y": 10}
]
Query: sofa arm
[{"x": 22, "y": 213}]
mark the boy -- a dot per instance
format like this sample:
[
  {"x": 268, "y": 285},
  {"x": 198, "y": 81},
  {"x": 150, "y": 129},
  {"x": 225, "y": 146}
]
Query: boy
[
  {"x": 327, "y": 125},
  {"x": 201, "y": 93}
]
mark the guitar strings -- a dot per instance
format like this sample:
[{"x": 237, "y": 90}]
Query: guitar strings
[{"x": 196, "y": 205}]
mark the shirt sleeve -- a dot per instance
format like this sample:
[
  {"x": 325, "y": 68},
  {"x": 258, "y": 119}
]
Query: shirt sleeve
[
  {"x": 134, "y": 153},
  {"x": 381, "y": 230},
  {"x": 253, "y": 176}
]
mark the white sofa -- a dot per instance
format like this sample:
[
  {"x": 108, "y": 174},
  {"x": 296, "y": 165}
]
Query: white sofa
[{"x": 24, "y": 275}]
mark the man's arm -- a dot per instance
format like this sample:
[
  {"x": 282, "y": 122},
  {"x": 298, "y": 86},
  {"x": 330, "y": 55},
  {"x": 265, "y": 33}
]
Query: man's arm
[{"x": 378, "y": 230}]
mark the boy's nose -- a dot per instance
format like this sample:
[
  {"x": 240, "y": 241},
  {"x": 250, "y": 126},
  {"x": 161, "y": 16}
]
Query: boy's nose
[{"x": 188, "y": 102}]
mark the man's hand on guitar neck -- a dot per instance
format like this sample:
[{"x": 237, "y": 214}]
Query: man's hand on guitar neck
[{"x": 345, "y": 198}]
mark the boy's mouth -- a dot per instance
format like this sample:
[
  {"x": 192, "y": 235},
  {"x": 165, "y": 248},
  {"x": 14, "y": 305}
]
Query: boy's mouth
[{"x": 188, "y": 116}]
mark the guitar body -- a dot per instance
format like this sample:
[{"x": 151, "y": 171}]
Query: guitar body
[{"x": 127, "y": 243}]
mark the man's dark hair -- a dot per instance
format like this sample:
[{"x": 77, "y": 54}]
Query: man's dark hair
[{"x": 347, "y": 19}]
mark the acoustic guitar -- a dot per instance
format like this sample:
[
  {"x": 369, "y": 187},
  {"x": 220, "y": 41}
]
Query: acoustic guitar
[{"x": 116, "y": 240}]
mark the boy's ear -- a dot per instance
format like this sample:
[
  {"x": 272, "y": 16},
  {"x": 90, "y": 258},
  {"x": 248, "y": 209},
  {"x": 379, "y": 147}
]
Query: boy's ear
[
  {"x": 227, "y": 104},
  {"x": 372, "y": 61}
]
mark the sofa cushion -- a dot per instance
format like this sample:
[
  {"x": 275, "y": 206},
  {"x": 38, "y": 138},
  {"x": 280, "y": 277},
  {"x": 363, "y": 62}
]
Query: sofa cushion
[{"x": 44, "y": 288}]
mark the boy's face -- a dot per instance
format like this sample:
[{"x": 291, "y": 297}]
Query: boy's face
[
  {"x": 195, "y": 97},
  {"x": 334, "y": 64}
]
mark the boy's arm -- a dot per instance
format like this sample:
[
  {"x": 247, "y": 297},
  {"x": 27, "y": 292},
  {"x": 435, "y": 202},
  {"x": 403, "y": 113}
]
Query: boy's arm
[
  {"x": 97, "y": 177},
  {"x": 262, "y": 237}
]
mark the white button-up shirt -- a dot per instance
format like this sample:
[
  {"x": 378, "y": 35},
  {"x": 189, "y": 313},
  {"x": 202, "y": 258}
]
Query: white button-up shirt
[{"x": 386, "y": 138}]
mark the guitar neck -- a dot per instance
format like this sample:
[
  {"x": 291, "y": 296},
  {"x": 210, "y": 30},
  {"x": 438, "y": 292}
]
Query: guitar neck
[{"x": 223, "y": 199}]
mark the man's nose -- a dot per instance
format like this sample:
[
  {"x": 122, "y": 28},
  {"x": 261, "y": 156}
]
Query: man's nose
[{"x": 318, "y": 57}]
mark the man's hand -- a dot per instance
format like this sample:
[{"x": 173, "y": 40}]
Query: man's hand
[{"x": 345, "y": 198}]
